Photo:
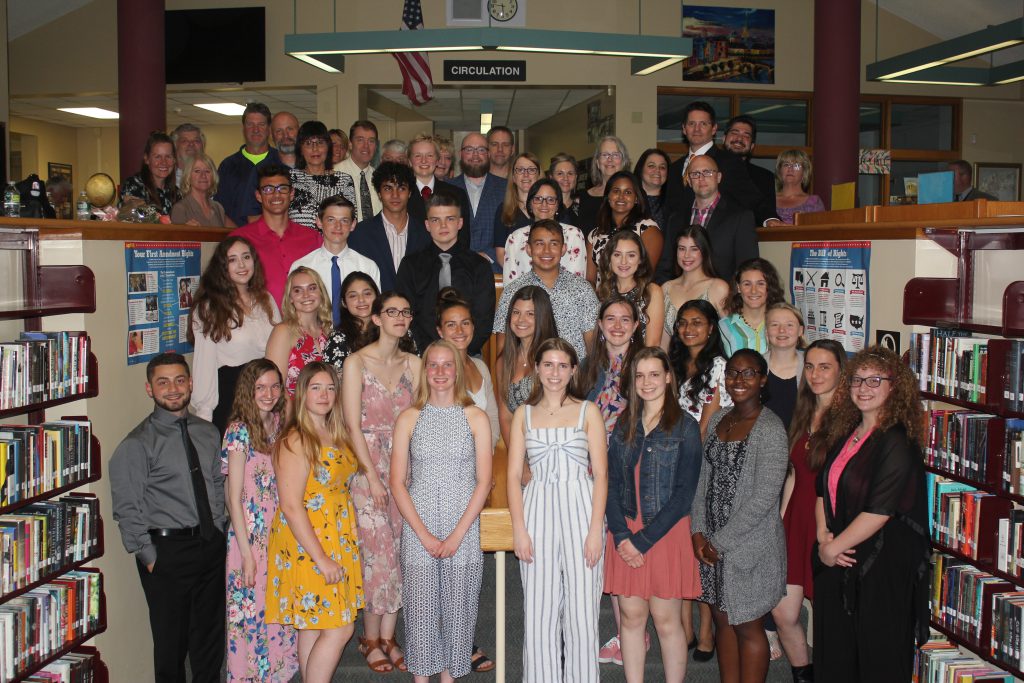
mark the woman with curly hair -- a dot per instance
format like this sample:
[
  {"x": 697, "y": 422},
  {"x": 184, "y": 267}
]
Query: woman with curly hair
[
  {"x": 698, "y": 361},
  {"x": 257, "y": 651},
  {"x": 305, "y": 324},
  {"x": 229, "y": 325},
  {"x": 358, "y": 292},
  {"x": 757, "y": 290},
  {"x": 871, "y": 595},
  {"x": 625, "y": 269},
  {"x": 314, "y": 577},
  {"x": 623, "y": 208}
]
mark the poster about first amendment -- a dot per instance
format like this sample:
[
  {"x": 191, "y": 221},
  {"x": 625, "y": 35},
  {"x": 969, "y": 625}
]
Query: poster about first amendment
[{"x": 162, "y": 278}]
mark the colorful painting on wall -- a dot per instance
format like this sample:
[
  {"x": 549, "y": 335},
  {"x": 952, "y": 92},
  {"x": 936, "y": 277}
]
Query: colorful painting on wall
[{"x": 730, "y": 44}]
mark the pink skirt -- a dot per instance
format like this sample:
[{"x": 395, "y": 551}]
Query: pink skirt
[{"x": 669, "y": 571}]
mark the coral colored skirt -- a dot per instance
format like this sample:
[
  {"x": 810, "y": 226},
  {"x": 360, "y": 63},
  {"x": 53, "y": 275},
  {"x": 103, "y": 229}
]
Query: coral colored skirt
[{"x": 670, "y": 567}]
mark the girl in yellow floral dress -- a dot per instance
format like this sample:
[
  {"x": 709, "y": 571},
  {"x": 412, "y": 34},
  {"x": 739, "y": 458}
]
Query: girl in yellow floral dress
[{"x": 314, "y": 579}]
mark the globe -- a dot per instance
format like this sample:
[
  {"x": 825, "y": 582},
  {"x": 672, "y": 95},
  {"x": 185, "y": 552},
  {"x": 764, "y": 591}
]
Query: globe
[{"x": 100, "y": 189}]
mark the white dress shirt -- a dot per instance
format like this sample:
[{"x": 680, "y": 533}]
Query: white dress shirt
[
  {"x": 398, "y": 241},
  {"x": 349, "y": 166},
  {"x": 349, "y": 261}
]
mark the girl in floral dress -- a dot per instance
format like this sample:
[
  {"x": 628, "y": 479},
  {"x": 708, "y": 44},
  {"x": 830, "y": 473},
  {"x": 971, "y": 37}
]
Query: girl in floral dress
[
  {"x": 306, "y": 322},
  {"x": 256, "y": 651}
]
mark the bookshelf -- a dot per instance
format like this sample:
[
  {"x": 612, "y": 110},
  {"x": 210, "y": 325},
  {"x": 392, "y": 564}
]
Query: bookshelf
[
  {"x": 983, "y": 304},
  {"x": 33, "y": 291}
]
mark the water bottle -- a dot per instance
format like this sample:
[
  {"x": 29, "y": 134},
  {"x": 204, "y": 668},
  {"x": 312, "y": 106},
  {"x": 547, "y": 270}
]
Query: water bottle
[
  {"x": 12, "y": 201},
  {"x": 82, "y": 211}
]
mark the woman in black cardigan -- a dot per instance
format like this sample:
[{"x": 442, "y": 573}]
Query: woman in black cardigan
[{"x": 870, "y": 584}]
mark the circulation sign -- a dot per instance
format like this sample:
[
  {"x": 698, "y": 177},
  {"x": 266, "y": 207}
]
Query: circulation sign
[{"x": 484, "y": 70}]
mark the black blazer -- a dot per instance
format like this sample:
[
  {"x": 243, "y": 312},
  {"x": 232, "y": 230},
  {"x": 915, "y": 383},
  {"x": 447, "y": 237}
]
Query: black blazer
[
  {"x": 764, "y": 180},
  {"x": 733, "y": 236},
  {"x": 736, "y": 182},
  {"x": 370, "y": 240},
  {"x": 418, "y": 207}
]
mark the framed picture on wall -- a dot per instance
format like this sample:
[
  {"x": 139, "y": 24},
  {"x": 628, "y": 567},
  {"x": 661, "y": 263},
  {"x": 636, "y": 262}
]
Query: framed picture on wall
[
  {"x": 1002, "y": 181},
  {"x": 55, "y": 169}
]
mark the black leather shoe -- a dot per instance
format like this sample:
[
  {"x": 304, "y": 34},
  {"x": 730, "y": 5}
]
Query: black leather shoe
[
  {"x": 803, "y": 674},
  {"x": 700, "y": 655}
]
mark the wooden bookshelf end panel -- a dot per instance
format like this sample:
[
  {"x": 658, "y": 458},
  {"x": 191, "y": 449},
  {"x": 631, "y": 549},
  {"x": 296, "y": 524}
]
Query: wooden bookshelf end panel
[
  {"x": 1013, "y": 310},
  {"x": 58, "y": 290},
  {"x": 929, "y": 300}
]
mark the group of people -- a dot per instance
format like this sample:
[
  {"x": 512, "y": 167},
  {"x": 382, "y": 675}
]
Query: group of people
[{"x": 669, "y": 438}]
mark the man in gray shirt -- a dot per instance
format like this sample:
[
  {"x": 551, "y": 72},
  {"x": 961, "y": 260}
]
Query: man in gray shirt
[{"x": 168, "y": 495}]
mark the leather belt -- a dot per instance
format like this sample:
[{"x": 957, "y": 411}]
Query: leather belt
[{"x": 175, "y": 533}]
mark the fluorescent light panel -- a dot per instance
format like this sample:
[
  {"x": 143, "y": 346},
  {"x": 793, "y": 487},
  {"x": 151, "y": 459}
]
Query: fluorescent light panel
[
  {"x": 315, "y": 62},
  {"x": 91, "y": 112},
  {"x": 225, "y": 108},
  {"x": 954, "y": 58},
  {"x": 923, "y": 82}
]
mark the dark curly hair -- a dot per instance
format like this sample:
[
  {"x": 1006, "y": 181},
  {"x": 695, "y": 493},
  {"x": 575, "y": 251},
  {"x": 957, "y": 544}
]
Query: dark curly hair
[
  {"x": 771, "y": 278},
  {"x": 217, "y": 306},
  {"x": 902, "y": 407},
  {"x": 348, "y": 324},
  {"x": 679, "y": 354}
]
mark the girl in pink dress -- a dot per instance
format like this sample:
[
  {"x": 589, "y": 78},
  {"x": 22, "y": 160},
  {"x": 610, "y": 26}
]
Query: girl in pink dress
[
  {"x": 256, "y": 651},
  {"x": 378, "y": 383}
]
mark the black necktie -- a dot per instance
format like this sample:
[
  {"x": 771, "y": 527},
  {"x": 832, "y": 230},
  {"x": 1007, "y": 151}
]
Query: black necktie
[
  {"x": 206, "y": 527},
  {"x": 365, "y": 203}
]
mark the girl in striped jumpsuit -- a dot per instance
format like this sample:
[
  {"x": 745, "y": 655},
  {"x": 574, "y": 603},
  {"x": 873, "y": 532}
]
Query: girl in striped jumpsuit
[{"x": 558, "y": 519}]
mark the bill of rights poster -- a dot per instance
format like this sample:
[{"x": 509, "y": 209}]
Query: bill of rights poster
[{"x": 829, "y": 284}]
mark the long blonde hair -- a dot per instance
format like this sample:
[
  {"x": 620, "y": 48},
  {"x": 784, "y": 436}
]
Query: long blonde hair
[
  {"x": 300, "y": 434},
  {"x": 290, "y": 316},
  {"x": 462, "y": 397}
]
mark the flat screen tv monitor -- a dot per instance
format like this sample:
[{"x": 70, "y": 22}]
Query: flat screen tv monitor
[{"x": 215, "y": 45}]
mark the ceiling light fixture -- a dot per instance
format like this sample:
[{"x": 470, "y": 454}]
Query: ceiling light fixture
[
  {"x": 91, "y": 112},
  {"x": 649, "y": 53},
  {"x": 929, "y": 63},
  {"x": 225, "y": 108}
]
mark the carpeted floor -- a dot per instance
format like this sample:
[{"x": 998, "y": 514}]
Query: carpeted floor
[{"x": 353, "y": 668}]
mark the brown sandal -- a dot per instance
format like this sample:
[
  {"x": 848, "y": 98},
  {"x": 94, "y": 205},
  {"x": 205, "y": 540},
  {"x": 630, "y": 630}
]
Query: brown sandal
[
  {"x": 388, "y": 644},
  {"x": 380, "y": 666}
]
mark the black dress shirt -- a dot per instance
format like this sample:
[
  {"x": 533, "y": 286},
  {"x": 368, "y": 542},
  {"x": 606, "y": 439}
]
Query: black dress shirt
[
  {"x": 150, "y": 482},
  {"x": 472, "y": 277}
]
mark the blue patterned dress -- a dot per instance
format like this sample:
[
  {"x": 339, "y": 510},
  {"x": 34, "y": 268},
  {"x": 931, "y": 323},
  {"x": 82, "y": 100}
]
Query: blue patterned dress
[{"x": 256, "y": 651}]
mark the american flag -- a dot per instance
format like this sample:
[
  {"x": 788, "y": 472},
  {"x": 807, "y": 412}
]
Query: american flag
[{"x": 417, "y": 83}]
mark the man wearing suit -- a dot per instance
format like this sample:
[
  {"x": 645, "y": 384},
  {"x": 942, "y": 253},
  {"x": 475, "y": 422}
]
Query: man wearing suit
[
  {"x": 740, "y": 137},
  {"x": 731, "y": 228},
  {"x": 699, "y": 128},
  {"x": 423, "y": 155},
  {"x": 387, "y": 237},
  {"x": 963, "y": 188},
  {"x": 486, "y": 193}
]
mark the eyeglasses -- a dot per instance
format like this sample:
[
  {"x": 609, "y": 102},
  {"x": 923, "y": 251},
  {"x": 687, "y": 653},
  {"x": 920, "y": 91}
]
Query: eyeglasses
[
  {"x": 271, "y": 189},
  {"x": 609, "y": 156},
  {"x": 475, "y": 150},
  {"x": 873, "y": 382},
  {"x": 398, "y": 312},
  {"x": 697, "y": 175},
  {"x": 525, "y": 170},
  {"x": 545, "y": 200},
  {"x": 313, "y": 143},
  {"x": 795, "y": 165},
  {"x": 746, "y": 373}
]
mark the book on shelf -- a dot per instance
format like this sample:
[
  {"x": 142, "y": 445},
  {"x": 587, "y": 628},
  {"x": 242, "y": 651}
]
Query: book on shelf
[
  {"x": 950, "y": 362},
  {"x": 36, "y": 624},
  {"x": 1013, "y": 457},
  {"x": 43, "y": 366},
  {"x": 940, "y": 661},
  {"x": 971, "y": 522},
  {"x": 74, "y": 667},
  {"x": 958, "y": 443},
  {"x": 35, "y": 459},
  {"x": 46, "y": 538}
]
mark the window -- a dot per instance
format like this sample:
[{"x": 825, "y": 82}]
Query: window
[
  {"x": 781, "y": 123},
  {"x": 670, "y": 114}
]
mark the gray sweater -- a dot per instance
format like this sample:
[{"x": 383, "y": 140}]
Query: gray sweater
[{"x": 752, "y": 544}]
